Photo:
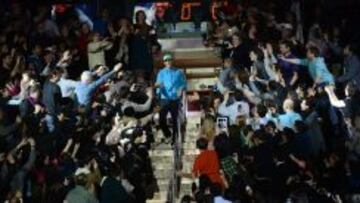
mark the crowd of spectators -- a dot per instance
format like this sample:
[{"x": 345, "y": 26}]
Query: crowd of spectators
[
  {"x": 76, "y": 106},
  {"x": 289, "y": 96}
]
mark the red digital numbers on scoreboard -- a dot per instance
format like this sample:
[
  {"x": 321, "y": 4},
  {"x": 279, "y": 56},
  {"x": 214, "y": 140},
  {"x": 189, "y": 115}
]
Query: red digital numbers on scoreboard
[{"x": 187, "y": 7}]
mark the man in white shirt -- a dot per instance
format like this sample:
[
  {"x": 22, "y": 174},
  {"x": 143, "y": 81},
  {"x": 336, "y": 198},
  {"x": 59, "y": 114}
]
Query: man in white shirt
[{"x": 238, "y": 108}]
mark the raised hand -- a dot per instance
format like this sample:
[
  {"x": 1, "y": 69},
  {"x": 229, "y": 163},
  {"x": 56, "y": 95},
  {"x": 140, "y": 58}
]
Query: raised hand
[
  {"x": 118, "y": 67},
  {"x": 38, "y": 109},
  {"x": 269, "y": 49},
  {"x": 328, "y": 89},
  {"x": 31, "y": 142},
  {"x": 66, "y": 56},
  {"x": 149, "y": 92}
]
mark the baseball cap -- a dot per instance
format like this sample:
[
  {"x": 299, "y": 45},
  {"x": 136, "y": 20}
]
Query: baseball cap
[{"x": 167, "y": 57}]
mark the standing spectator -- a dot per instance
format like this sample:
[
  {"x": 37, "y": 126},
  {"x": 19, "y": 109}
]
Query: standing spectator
[
  {"x": 140, "y": 50},
  {"x": 96, "y": 50},
  {"x": 51, "y": 99},
  {"x": 289, "y": 71},
  {"x": 258, "y": 66},
  {"x": 171, "y": 84},
  {"x": 18, "y": 182},
  {"x": 67, "y": 86},
  {"x": 101, "y": 23},
  {"x": 207, "y": 163},
  {"x": 82, "y": 42},
  {"x": 311, "y": 119},
  {"x": 121, "y": 40},
  {"x": 31, "y": 109},
  {"x": 35, "y": 63},
  {"x": 239, "y": 52},
  {"x": 86, "y": 88},
  {"x": 112, "y": 190},
  {"x": 235, "y": 107},
  {"x": 351, "y": 67},
  {"x": 227, "y": 77},
  {"x": 316, "y": 67}
]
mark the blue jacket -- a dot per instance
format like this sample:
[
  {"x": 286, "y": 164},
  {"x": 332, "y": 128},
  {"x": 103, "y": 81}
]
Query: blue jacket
[
  {"x": 288, "y": 119},
  {"x": 317, "y": 69},
  {"x": 172, "y": 80},
  {"x": 84, "y": 92}
]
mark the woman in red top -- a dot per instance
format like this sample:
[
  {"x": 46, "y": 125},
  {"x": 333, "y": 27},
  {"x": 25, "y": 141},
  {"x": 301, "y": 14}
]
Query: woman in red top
[{"x": 207, "y": 163}]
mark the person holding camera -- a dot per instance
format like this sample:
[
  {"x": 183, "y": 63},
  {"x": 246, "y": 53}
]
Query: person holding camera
[{"x": 170, "y": 84}]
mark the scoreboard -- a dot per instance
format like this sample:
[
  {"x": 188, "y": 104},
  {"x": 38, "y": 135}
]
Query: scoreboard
[{"x": 187, "y": 8}]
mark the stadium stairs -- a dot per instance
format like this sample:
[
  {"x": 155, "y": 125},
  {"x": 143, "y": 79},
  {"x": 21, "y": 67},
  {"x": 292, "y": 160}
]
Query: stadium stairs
[{"x": 200, "y": 64}]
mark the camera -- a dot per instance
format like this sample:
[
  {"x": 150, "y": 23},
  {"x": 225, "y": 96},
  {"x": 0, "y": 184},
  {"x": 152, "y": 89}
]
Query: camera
[{"x": 222, "y": 123}]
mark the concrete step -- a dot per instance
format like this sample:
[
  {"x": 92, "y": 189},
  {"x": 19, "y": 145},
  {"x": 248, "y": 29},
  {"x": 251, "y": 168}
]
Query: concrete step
[
  {"x": 159, "y": 197},
  {"x": 163, "y": 184},
  {"x": 161, "y": 167},
  {"x": 170, "y": 153},
  {"x": 156, "y": 201},
  {"x": 185, "y": 188},
  {"x": 186, "y": 185},
  {"x": 161, "y": 174},
  {"x": 190, "y": 145}
]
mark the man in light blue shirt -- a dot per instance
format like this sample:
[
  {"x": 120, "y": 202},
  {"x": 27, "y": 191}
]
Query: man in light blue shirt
[
  {"x": 288, "y": 119},
  {"x": 170, "y": 84},
  {"x": 316, "y": 67},
  {"x": 86, "y": 88}
]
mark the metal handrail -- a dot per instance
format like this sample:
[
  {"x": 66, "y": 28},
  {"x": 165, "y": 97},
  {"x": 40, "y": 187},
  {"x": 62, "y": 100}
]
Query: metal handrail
[{"x": 174, "y": 186}]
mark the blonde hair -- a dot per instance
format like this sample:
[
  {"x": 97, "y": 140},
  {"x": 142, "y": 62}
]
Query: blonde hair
[
  {"x": 208, "y": 128},
  {"x": 288, "y": 105}
]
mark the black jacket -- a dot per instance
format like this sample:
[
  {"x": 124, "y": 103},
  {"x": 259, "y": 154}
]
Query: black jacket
[{"x": 51, "y": 97}]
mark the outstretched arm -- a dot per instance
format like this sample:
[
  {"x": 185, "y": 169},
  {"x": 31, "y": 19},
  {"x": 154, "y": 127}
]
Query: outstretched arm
[
  {"x": 333, "y": 98},
  {"x": 296, "y": 61},
  {"x": 105, "y": 77}
]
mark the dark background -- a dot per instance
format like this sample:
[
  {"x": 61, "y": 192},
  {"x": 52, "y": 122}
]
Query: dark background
[{"x": 333, "y": 11}]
